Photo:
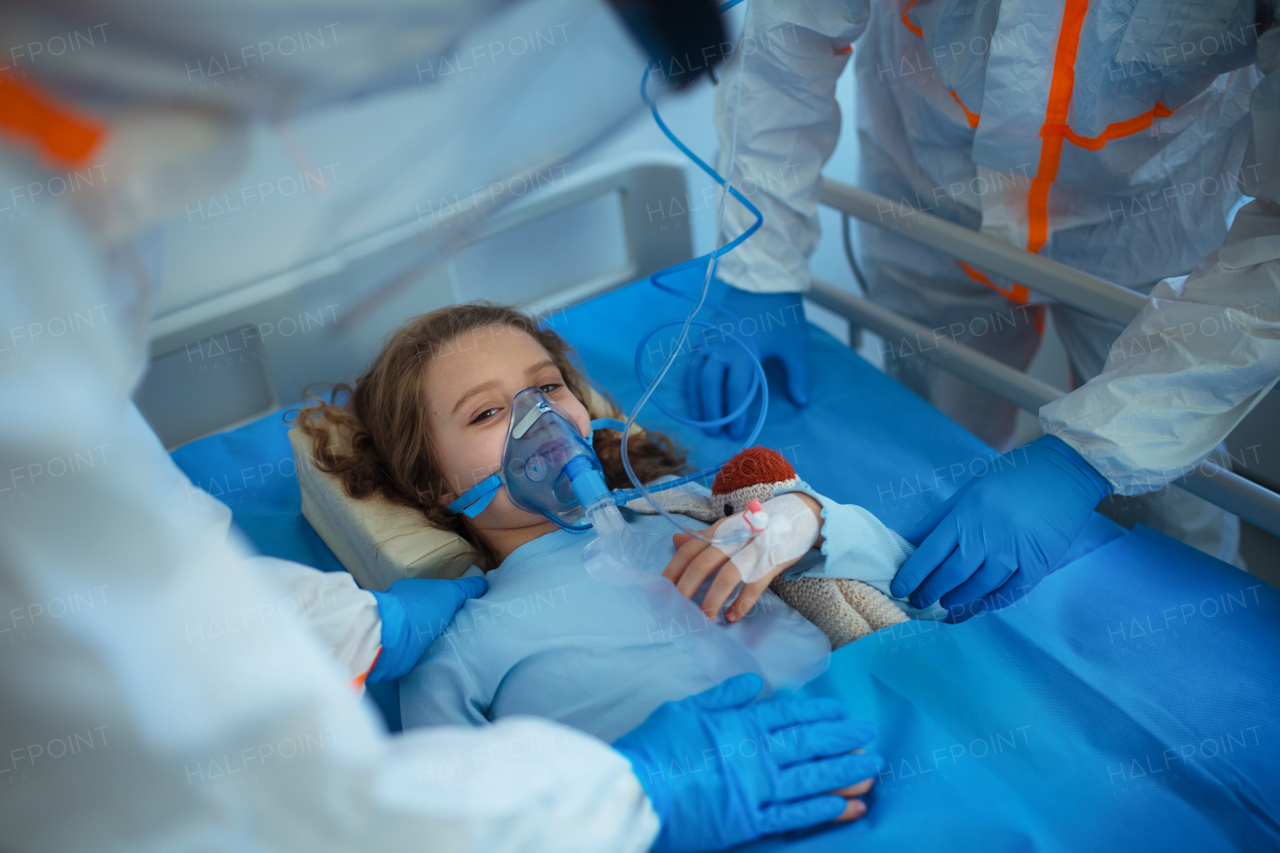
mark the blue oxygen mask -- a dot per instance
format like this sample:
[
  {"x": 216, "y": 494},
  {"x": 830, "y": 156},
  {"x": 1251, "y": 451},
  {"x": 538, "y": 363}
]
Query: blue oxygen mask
[{"x": 548, "y": 468}]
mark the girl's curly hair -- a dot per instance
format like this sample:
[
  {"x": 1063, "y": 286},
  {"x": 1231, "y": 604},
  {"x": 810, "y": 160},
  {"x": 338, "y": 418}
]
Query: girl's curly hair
[{"x": 391, "y": 452}]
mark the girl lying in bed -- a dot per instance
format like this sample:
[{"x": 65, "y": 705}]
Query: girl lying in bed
[{"x": 431, "y": 417}]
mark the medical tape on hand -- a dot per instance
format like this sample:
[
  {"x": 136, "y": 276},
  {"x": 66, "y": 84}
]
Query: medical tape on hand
[{"x": 790, "y": 531}]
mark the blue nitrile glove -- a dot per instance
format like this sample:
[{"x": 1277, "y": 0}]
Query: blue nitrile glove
[
  {"x": 414, "y": 612},
  {"x": 772, "y": 325},
  {"x": 1001, "y": 533},
  {"x": 721, "y": 771}
]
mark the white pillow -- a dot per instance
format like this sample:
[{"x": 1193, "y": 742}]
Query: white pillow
[
  {"x": 378, "y": 541},
  {"x": 381, "y": 542}
]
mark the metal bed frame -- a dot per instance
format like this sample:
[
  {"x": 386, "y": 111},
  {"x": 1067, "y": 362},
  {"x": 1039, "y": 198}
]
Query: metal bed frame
[
  {"x": 275, "y": 336},
  {"x": 1227, "y": 489}
]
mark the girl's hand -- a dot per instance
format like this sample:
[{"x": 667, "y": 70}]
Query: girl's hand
[
  {"x": 695, "y": 561},
  {"x": 854, "y": 807}
]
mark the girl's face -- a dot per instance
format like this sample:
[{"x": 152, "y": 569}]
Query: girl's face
[{"x": 471, "y": 383}]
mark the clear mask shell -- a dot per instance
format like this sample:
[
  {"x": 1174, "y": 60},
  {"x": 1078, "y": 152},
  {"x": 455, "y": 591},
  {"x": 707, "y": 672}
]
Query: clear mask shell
[{"x": 539, "y": 459}]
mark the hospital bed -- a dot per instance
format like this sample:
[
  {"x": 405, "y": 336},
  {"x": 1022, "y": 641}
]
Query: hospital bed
[{"x": 1128, "y": 703}]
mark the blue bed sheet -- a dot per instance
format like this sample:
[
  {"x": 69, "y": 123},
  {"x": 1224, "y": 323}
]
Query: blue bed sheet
[
  {"x": 1079, "y": 692},
  {"x": 1128, "y": 704},
  {"x": 251, "y": 470},
  {"x": 864, "y": 438}
]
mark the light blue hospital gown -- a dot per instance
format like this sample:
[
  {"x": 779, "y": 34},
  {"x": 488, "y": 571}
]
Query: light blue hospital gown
[{"x": 549, "y": 640}]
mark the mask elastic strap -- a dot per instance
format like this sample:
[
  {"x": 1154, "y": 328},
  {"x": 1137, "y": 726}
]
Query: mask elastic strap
[
  {"x": 608, "y": 423},
  {"x": 476, "y": 498}
]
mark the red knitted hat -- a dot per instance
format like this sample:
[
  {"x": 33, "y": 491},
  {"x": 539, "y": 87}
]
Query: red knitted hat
[{"x": 751, "y": 467}]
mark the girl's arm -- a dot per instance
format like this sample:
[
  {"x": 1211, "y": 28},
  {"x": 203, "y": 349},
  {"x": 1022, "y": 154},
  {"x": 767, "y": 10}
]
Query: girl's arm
[{"x": 854, "y": 543}]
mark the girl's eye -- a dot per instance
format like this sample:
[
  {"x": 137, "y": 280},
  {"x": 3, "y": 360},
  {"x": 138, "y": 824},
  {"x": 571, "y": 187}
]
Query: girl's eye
[
  {"x": 549, "y": 387},
  {"x": 484, "y": 416}
]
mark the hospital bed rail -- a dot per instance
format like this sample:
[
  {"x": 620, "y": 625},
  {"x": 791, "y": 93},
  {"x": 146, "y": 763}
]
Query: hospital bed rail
[
  {"x": 610, "y": 217},
  {"x": 1248, "y": 500}
]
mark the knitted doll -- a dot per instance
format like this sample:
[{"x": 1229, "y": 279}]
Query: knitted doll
[{"x": 844, "y": 610}]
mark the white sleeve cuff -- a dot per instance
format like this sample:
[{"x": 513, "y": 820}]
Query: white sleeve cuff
[{"x": 858, "y": 546}]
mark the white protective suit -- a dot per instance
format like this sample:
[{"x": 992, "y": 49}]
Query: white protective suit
[
  {"x": 1115, "y": 137},
  {"x": 164, "y": 690}
]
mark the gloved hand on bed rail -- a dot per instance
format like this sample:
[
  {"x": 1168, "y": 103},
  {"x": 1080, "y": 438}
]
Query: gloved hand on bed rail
[
  {"x": 414, "y": 612},
  {"x": 773, "y": 325},
  {"x": 721, "y": 770},
  {"x": 1000, "y": 534}
]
